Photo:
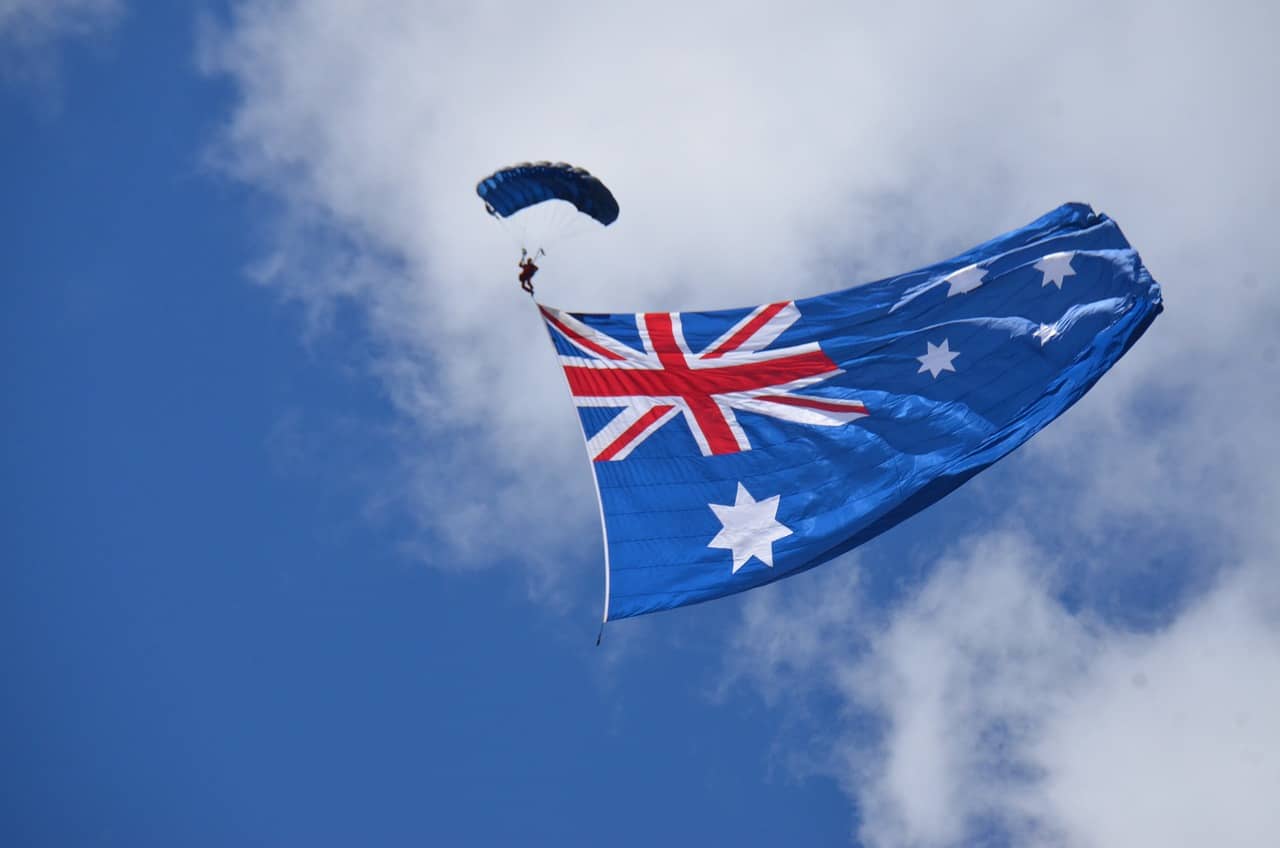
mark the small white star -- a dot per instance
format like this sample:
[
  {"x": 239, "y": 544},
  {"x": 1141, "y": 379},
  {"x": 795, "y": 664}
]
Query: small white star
[
  {"x": 1055, "y": 267},
  {"x": 937, "y": 358},
  {"x": 965, "y": 280},
  {"x": 1046, "y": 332},
  {"x": 750, "y": 528}
]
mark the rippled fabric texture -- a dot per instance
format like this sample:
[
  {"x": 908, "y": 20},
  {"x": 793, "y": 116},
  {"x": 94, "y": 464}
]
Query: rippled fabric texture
[{"x": 736, "y": 447}]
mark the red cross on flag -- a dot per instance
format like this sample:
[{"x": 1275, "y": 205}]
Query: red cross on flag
[{"x": 666, "y": 380}]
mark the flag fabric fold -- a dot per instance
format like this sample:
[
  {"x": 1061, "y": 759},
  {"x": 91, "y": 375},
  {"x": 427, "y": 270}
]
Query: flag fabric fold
[{"x": 736, "y": 447}]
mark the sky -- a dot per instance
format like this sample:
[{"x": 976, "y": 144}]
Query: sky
[{"x": 300, "y": 545}]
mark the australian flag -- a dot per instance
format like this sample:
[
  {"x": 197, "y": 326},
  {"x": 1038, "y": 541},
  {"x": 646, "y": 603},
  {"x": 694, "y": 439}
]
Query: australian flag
[{"x": 737, "y": 447}]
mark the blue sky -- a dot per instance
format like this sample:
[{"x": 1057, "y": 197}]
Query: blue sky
[{"x": 299, "y": 541}]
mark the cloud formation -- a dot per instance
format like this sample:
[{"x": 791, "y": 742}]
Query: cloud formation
[
  {"x": 781, "y": 150},
  {"x": 997, "y": 710},
  {"x": 771, "y": 152}
]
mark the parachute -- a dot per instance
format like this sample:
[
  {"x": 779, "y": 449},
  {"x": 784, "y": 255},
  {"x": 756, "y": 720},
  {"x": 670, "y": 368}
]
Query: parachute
[{"x": 542, "y": 202}]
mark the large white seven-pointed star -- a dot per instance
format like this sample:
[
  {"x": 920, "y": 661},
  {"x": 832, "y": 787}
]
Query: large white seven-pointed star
[
  {"x": 965, "y": 280},
  {"x": 1055, "y": 267},
  {"x": 937, "y": 358},
  {"x": 750, "y": 528}
]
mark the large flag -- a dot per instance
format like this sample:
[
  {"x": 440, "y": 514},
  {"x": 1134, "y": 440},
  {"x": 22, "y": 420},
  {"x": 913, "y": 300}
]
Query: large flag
[{"x": 737, "y": 447}]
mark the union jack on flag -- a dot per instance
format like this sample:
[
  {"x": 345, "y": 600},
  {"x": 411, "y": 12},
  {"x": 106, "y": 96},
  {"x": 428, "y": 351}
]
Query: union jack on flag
[
  {"x": 666, "y": 379},
  {"x": 736, "y": 447}
]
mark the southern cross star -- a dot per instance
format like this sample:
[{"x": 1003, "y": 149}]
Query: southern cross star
[
  {"x": 1046, "y": 332},
  {"x": 1055, "y": 267},
  {"x": 965, "y": 280},
  {"x": 937, "y": 358},
  {"x": 750, "y": 527}
]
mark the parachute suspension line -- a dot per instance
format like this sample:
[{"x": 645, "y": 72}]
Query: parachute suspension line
[
  {"x": 513, "y": 230},
  {"x": 545, "y": 200}
]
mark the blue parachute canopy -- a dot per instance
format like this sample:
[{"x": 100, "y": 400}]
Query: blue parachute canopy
[{"x": 509, "y": 190}]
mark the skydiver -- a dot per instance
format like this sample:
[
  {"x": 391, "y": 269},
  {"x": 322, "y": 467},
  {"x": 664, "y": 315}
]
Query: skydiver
[{"x": 527, "y": 270}]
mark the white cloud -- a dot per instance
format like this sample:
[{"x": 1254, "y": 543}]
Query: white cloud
[
  {"x": 1174, "y": 738},
  {"x": 999, "y": 710},
  {"x": 772, "y": 151},
  {"x": 784, "y": 149}
]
